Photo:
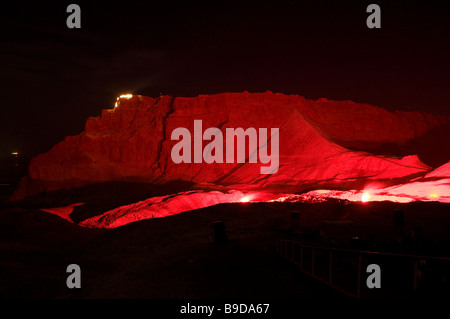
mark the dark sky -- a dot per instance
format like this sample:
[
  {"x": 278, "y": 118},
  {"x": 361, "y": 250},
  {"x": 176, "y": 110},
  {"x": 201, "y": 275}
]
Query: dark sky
[{"x": 53, "y": 78}]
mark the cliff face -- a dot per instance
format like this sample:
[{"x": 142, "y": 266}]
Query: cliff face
[
  {"x": 353, "y": 123},
  {"x": 132, "y": 142}
]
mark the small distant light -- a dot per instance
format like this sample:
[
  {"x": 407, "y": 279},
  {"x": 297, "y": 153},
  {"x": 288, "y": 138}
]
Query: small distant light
[
  {"x": 245, "y": 199},
  {"x": 126, "y": 96},
  {"x": 434, "y": 195},
  {"x": 15, "y": 153},
  {"x": 365, "y": 197}
]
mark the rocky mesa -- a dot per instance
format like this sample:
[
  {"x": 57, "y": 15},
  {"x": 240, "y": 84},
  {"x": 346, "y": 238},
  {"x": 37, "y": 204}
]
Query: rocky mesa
[{"x": 133, "y": 142}]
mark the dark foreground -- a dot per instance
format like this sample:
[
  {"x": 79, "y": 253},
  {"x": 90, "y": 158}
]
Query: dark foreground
[{"x": 175, "y": 257}]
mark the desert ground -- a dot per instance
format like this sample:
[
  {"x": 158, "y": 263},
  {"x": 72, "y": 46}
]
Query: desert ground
[{"x": 175, "y": 257}]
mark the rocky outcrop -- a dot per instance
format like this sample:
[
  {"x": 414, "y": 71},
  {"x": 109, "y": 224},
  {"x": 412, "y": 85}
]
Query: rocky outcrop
[
  {"x": 161, "y": 206},
  {"x": 350, "y": 123},
  {"x": 132, "y": 142},
  {"x": 440, "y": 172}
]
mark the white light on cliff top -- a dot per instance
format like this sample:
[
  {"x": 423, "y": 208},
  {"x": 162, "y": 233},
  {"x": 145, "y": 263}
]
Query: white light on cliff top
[
  {"x": 123, "y": 96},
  {"x": 126, "y": 96}
]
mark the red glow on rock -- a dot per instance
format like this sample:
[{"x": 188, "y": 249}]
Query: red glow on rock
[
  {"x": 427, "y": 189},
  {"x": 133, "y": 142},
  {"x": 161, "y": 206},
  {"x": 63, "y": 212},
  {"x": 416, "y": 190}
]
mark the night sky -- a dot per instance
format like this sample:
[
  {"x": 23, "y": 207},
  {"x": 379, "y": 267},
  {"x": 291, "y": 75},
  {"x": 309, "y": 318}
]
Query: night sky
[{"x": 53, "y": 78}]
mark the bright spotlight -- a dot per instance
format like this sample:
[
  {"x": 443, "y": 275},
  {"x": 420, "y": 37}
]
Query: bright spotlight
[{"x": 365, "y": 197}]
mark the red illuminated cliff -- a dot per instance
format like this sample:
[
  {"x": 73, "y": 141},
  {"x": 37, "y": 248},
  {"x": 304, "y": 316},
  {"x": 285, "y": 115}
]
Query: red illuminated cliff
[{"x": 132, "y": 142}]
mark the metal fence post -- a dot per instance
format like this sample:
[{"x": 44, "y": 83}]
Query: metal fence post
[
  {"x": 292, "y": 252},
  {"x": 301, "y": 257},
  {"x": 331, "y": 266},
  {"x": 416, "y": 270},
  {"x": 358, "y": 288}
]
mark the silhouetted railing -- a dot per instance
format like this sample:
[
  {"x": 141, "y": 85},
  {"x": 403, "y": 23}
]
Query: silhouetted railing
[{"x": 402, "y": 275}]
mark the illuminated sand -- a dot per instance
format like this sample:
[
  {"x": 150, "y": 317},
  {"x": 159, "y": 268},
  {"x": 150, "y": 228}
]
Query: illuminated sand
[
  {"x": 426, "y": 191},
  {"x": 168, "y": 205},
  {"x": 434, "y": 187}
]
